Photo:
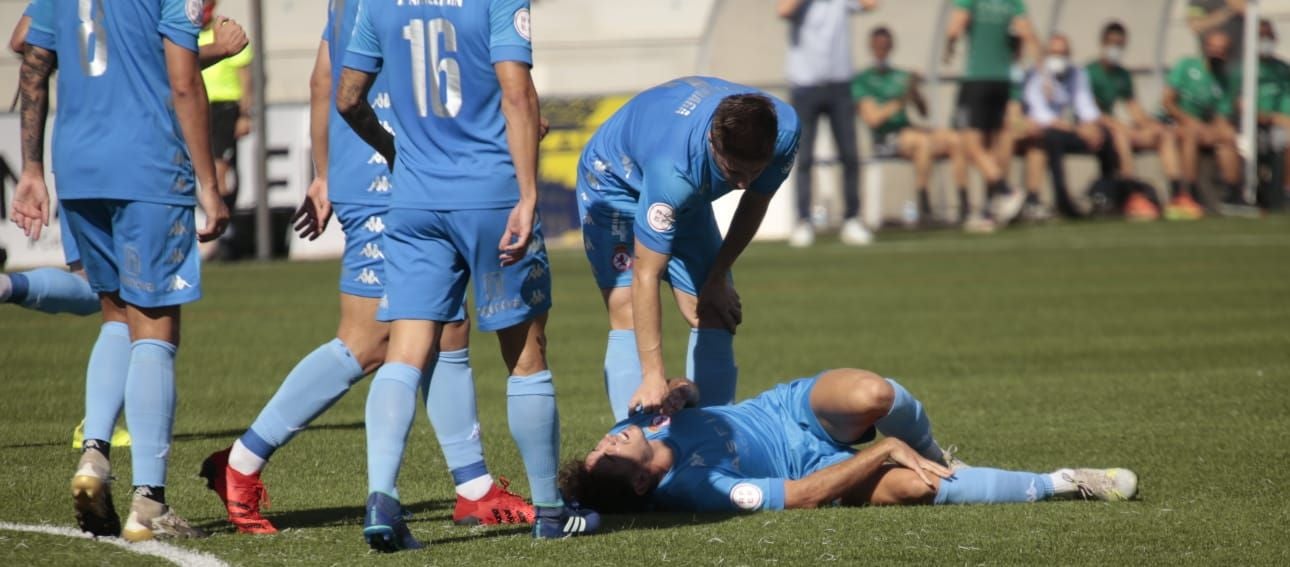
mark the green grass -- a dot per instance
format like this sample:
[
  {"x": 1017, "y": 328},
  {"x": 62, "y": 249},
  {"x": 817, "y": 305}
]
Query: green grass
[{"x": 1162, "y": 347}]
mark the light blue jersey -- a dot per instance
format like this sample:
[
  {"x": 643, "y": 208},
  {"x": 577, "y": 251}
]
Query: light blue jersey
[
  {"x": 451, "y": 143},
  {"x": 356, "y": 173},
  {"x": 737, "y": 458},
  {"x": 116, "y": 135},
  {"x": 653, "y": 159}
]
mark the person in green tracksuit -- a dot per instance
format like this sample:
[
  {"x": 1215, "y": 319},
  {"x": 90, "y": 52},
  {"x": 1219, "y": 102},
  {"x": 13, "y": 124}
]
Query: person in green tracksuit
[
  {"x": 1196, "y": 101},
  {"x": 984, "y": 92},
  {"x": 884, "y": 94},
  {"x": 1113, "y": 85}
]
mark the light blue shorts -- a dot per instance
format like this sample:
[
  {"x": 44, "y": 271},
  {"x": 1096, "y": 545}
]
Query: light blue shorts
[
  {"x": 145, "y": 251},
  {"x": 431, "y": 256}
]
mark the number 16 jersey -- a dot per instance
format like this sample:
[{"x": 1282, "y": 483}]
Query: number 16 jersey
[{"x": 438, "y": 58}]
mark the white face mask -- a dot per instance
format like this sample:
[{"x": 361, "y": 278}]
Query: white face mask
[
  {"x": 1113, "y": 54},
  {"x": 1267, "y": 47},
  {"x": 1056, "y": 64}
]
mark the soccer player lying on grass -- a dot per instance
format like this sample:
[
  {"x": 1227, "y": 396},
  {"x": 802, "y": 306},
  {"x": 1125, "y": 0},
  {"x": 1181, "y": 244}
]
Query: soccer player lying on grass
[{"x": 792, "y": 447}]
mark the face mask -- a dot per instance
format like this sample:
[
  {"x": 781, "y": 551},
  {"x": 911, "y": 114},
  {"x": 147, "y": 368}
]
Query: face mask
[
  {"x": 1056, "y": 64},
  {"x": 1113, "y": 54},
  {"x": 1267, "y": 47}
]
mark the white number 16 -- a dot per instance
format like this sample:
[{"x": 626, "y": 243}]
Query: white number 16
[{"x": 444, "y": 73}]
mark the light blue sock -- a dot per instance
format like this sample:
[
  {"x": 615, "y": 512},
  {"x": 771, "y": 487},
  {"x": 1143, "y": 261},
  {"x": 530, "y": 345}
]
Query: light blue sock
[
  {"x": 622, "y": 371},
  {"x": 535, "y": 426},
  {"x": 391, "y": 407},
  {"x": 105, "y": 380},
  {"x": 908, "y": 422},
  {"x": 710, "y": 363},
  {"x": 150, "y": 409},
  {"x": 317, "y": 382},
  {"x": 449, "y": 396},
  {"x": 51, "y": 290},
  {"x": 978, "y": 485}
]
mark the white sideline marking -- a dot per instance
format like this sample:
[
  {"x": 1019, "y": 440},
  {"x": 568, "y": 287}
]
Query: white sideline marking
[{"x": 173, "y": 554}]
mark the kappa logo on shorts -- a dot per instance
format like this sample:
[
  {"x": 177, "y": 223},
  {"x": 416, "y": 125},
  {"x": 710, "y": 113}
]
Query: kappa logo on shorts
[
  {"x": 133, "y": 265},
  {"x": 746, "y": 496},
  {"x": 374, "y": 224},
  {"x": 536, "y": 273},
  {"x": 178, "y": 283},
  {"x": 176, "y": 256},
  {"x": 494, "y": 286},
  {"x": 380, "y": 185},
  {"x": 536, "y": 298},
  {"x": 622, "y": 259},
  {"x": 368, "y": 277},
  {"x": 661, "y": 217},
  {"x": 523, "y": 24},
  {"x": 372, "y": 251},
  {"x": 178, "y": 229}
]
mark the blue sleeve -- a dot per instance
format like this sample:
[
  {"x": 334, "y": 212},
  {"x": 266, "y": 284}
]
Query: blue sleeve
[
  {"x": 331, "y": 21},
  {"x": 712, "y": 490},
  {"x": 41, "y": 33},
  {"x": 364, "y": 52},
  {"x": 785, "y": 155},
  {"x": 181, "y": 21},
  {"x": 510, "y": 38},
  {"x": 665, "y": 196}
]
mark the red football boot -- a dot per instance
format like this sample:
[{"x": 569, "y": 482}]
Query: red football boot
[
  {"x": 499, "y": 506},
  {"x": 240, "y": 493}
]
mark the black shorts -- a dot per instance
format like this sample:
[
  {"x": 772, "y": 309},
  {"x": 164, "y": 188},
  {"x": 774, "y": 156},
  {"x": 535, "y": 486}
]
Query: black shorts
[
  {"x": 224, "y": 117},
  {"x": 982, "y": 105}
]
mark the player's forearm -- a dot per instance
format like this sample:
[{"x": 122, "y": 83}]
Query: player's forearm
[
  {"x": 320, "y": 109},
  {"x": 37, "y": 65},
  {"x": 832, "y": 483},
  {"x": 520, "y": 107},
  {"x": 744, "y": 226},
  {"x": 211, "y": 54},
  {"x": 647, "y": 313},
  {"x": 353, "y": 106}
]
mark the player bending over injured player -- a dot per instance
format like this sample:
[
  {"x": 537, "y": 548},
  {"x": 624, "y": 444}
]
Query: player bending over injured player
[{"x": 792, "y": 447}]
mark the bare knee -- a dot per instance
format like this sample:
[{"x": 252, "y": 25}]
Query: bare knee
[
  {"x": 873, "y": 394},
  {"x": 456, "y": 336},
  {"x": 368, "y": 345},
  {"x": 907, "y": 489}
]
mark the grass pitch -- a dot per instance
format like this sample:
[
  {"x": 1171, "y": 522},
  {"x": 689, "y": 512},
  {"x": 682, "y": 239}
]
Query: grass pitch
[{"x": 1164, "y": 348}]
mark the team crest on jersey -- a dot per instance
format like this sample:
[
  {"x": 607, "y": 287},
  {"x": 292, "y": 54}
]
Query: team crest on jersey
[
  {"x": 622, "y": 260},
  {"x": 746, "y": 496},
  {"x": 659, "y": 423},
  {"x": 661, "y": 216},
  {"x": 193, "y": 9},
  {"x": 522, "y": 23}
]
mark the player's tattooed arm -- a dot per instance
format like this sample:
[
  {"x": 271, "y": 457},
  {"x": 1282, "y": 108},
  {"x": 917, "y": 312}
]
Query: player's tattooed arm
[
  {"x": 38, "y": 65},
  {"x": 353, "y": 106}
]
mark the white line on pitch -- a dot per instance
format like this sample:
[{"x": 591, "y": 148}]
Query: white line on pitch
[{"x": 173, "y": 554}]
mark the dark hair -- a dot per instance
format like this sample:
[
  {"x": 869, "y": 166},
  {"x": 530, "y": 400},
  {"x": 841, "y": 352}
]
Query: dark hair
[
  {"x": 881, "y": 31},
  {"x": 1113, "y": 27},
  {"x": 602, "y": 492},
  {"x": 745, "y": 127}
]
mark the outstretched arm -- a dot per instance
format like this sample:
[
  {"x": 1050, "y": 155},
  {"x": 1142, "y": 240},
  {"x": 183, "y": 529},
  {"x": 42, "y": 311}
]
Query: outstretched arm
[
  {"x": 837, "y": 481},
  {"x": 647, "y": 310},
  {"x": 353, "y": 106}
]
